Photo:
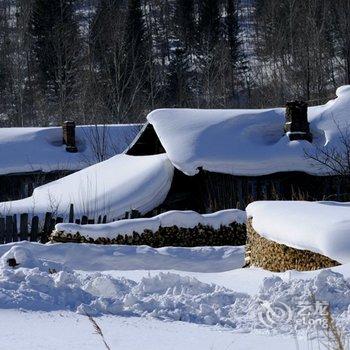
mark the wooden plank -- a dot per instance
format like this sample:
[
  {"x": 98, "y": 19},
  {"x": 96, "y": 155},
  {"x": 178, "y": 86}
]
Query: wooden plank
[
  {"x": 8, "y": 229},
  {"x": 47, "y": 222},
  {"x": 2, "y": 230},
  {"x": 23, "y": 227},
  {"x": 84, "y": 220},
  {"x": 134, "y": 214},
  {"x": 34, "y": 231},
  {"x": 47, "y": 227},
  {"x": 52, "y": 226},
  {"x": 71, "y": 213},
  {"x": 15, "y": 229}
]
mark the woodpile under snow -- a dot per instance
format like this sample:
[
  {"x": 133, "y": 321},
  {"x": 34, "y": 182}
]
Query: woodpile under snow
[
  {"x": 277, "y": 257},
  {"x": 200, "y": 235}
]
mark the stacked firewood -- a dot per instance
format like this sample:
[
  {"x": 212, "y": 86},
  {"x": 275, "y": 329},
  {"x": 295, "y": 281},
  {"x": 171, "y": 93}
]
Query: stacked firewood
[
  {"x": 274, "y": 256},
  {"x": 233, "y": 234}
]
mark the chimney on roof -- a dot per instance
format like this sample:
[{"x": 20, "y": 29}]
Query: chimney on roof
[
  {"x": 297, "y": 126},
  {"x": 69, "y": 136}
]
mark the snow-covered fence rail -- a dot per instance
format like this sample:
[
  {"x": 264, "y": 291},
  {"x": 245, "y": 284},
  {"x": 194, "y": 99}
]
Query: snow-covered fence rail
[
  {"x": 9, "y": 231},
  {"x": 26, "y": 227},
  {"x": 173, "y": 228}
]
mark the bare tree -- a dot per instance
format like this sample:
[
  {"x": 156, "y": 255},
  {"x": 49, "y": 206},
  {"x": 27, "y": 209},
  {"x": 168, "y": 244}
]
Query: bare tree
[
  {"x": 21, "y": 63},
  {"x": 336, "y": 158}
]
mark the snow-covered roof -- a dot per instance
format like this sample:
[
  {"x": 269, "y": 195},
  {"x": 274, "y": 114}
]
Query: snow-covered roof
[
  {"x": 41, "y": 149},
  {"x": 321, "y": 227},
  {"x": 111, "y": 188},
  {"x": 250, "y": 141},
  {"x": 185, "y": 219}
]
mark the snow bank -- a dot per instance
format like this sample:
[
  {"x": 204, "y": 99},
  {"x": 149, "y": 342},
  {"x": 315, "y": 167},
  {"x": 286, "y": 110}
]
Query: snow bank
[
  {"x": 46, "y": 285},
  {"x": 92, "y": 257},
  {"x": 184, "y": 219},
  {"x": 41, "y": 149},
  {"x": 32, "y": 286},
  {"x": 247, "y": 142},
  {"x": 322, "y": 227},
  {"x": 110, "y": 188}
]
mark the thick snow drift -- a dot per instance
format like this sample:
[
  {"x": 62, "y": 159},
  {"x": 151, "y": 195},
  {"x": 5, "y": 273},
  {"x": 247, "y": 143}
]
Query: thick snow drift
[
  {"x": 41, "y": 149},
  {"x": 46, "y": 285},
  {"x": 322, "y": 227},
  {"x": 185, "y": 219},
  {"x": 95, "y": 257},
  {"x": 110, "y": 188},
  {"x": 247, "y": 142}
]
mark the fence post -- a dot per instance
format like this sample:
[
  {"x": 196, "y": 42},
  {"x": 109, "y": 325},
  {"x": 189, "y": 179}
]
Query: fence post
[
  {"x": 8, "y": 229},
  {"x": 104, "y": 220},
  {"x": 15, "y": 229},
  {"x": 2, "y": 230},
  {"x": 23, "y": 227},
  {"x": 46, "y": 229},
  {"x": 52, "y": 226},
  {"x": 34, "y": 230},
  {"x": 71, "y": 213},
  {"x": 135, "y": 214},
  {"x": 84, "y": 220}
]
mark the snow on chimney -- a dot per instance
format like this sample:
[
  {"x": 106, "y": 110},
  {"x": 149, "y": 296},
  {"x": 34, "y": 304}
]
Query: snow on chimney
[
  {"x": 297, "y": 126},
  {"x": 69, "y": 136}
]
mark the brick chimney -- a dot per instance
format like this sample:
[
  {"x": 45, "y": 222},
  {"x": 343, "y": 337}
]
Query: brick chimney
[
  {"x": 69, "y": 136},
  {"x": 296, "y": 126}
]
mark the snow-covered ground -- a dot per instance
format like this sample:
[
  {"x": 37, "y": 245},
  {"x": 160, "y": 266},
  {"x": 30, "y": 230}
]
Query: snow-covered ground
[
  {"x": 165, "y": 298},
  {"x": 67, "y": 330}
]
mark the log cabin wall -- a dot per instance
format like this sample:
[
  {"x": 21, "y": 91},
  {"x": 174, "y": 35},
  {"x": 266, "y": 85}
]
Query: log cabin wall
[
  {"x": 222, "y": 191},
  {"x": 208, "y": 192},
  {"x": 18, "y": 186}
]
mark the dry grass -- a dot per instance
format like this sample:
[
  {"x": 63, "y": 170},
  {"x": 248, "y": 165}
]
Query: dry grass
[
  {"x": 335, "y": 337},
  {"x": 98, "y": 331}
]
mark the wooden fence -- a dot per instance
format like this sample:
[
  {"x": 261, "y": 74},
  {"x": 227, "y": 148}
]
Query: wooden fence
[{"x": 35, "y": 231}]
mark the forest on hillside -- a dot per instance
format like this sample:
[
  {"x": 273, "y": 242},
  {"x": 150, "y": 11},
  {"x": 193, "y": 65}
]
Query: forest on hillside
[{"x": 112, "y": 61}]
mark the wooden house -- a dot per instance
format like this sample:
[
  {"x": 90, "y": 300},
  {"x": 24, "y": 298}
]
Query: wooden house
[
  {"x": 229, "y": 158},
  {"x": 31, "y": 157}
]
